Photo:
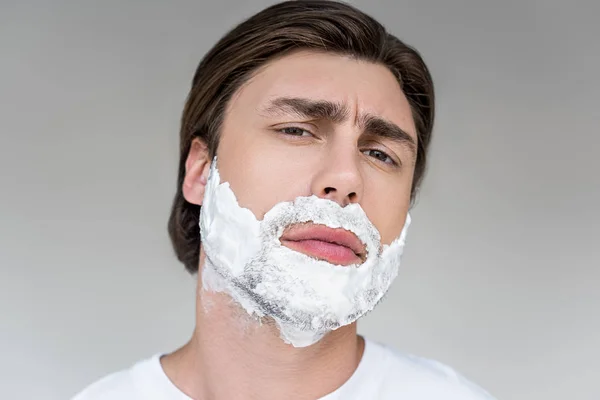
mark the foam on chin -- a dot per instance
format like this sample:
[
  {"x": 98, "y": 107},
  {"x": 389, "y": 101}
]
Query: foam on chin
[{"x": 306, "y": 297}]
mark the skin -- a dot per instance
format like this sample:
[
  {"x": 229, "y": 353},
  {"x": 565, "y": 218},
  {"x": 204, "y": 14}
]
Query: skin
[{"x": 269, "y": 157}]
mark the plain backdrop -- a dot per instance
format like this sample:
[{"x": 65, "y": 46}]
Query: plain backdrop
[{"x": 501, "y": 273}]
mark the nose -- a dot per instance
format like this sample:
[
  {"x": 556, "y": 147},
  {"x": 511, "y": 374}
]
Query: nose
[{"x": 339, "y": 177}]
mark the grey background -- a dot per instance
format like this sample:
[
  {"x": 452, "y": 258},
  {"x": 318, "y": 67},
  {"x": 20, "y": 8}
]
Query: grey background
[{"x": 501, "y": 274}]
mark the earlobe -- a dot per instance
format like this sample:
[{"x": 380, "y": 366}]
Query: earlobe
[{"x": 197, "y": 166}]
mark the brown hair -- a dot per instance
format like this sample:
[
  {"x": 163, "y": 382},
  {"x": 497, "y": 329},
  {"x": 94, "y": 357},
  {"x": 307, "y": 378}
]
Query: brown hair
[{"x": 318, "y": 25}]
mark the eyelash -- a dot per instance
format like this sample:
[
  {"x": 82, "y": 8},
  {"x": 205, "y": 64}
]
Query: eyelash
[
  {"x": 391, "y": 160},
  {"x": 386, "y": 156},
  {"x": 282, "y": 130}
]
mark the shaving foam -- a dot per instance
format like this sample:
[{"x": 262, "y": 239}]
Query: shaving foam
[{"x": 306, "y": 297}]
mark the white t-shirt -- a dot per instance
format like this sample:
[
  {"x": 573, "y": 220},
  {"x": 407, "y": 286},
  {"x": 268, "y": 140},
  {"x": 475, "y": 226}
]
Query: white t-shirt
[{"x": 382, "y": 374}]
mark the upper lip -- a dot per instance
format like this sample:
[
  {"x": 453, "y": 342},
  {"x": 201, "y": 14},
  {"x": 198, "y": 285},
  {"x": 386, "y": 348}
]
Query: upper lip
[{"x": 339, "y": 236}]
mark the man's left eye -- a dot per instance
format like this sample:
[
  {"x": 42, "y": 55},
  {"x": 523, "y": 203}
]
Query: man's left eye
[{"x": 379, "y": 155}]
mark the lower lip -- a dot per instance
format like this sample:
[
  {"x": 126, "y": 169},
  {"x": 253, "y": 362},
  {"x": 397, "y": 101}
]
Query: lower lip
[{"x": 333, "y": 253}]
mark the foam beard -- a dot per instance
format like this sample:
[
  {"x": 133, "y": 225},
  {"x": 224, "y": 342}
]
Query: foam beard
[{"x": 306, "y": 297}]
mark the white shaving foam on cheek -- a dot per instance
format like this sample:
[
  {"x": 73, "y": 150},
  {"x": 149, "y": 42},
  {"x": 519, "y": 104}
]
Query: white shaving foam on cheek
[{"x": 306, "y": 297}]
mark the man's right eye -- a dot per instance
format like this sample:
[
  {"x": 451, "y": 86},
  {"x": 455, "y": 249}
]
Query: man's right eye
[{"x": 295, "y": 131}]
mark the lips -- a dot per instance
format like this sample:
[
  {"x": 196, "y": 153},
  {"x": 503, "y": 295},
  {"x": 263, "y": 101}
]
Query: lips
[{"x": 337, "y": 246}]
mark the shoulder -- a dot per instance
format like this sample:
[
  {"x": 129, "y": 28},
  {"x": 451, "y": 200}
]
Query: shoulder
[
  {"x": 119, "y": 385},
  {"x": 422, "y": 378}
]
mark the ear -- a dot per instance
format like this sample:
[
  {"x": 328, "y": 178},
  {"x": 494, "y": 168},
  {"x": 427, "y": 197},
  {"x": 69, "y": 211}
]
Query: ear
[{"x": 197, "y": 166}]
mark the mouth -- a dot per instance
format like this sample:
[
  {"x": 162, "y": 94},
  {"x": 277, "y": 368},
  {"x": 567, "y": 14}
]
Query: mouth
[{"x": 336, "y": 246}]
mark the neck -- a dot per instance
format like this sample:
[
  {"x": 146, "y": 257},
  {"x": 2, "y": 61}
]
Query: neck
[{"x": 232, "y": 356}]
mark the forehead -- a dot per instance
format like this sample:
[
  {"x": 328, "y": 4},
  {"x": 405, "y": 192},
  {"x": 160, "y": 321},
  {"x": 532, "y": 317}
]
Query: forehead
[{"x": 362, "y": 86}]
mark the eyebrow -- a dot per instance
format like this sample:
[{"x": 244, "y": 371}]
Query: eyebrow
[{"x": 338, "y": 113}]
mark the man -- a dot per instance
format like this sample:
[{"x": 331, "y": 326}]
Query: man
[{"x": 303, "y": 142}]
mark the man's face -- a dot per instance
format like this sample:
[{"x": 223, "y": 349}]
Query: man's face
[{"x": 326, "y": 125}]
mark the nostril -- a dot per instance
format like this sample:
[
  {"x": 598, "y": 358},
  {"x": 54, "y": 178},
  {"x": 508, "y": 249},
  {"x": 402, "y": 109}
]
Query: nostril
[{"x": 329, "y": 190}]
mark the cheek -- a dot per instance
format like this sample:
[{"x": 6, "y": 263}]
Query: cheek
[
  {"x": 387, "y": 209},
  {"x": 261, "y": 174}
]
